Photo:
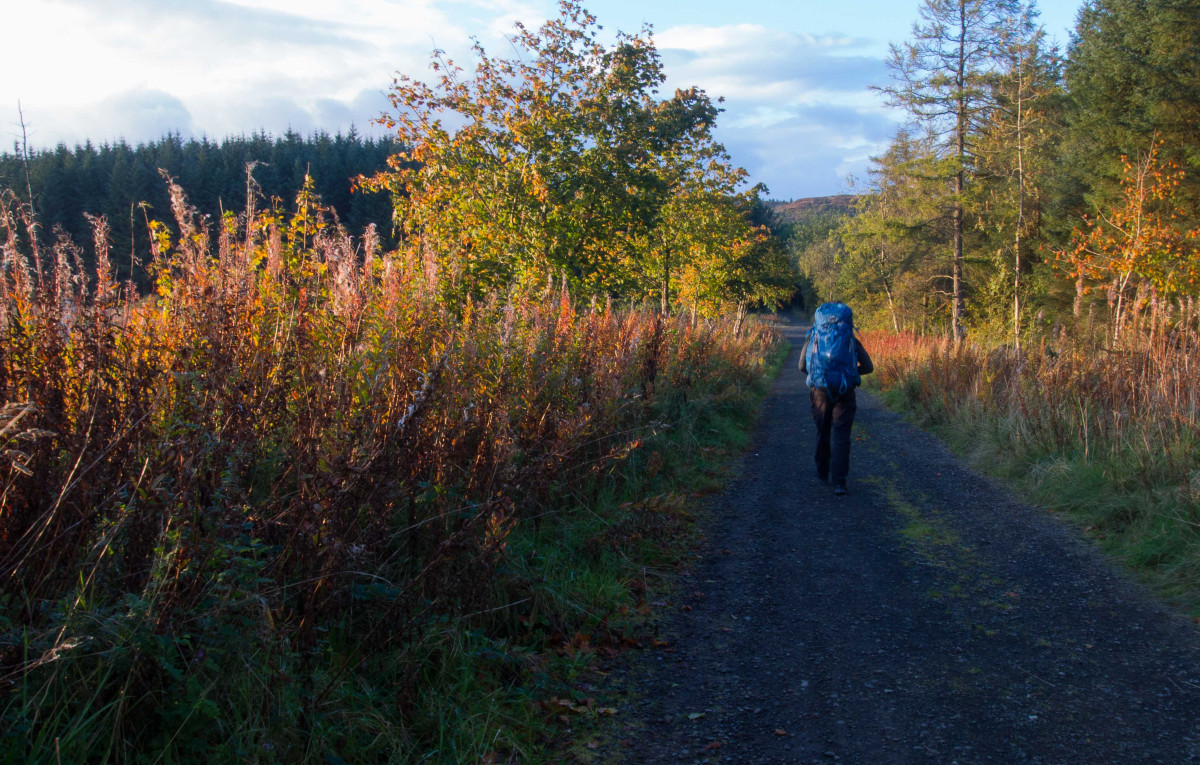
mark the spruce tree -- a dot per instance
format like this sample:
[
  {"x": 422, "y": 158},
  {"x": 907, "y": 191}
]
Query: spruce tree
[{"x": 1132, "y": 75}]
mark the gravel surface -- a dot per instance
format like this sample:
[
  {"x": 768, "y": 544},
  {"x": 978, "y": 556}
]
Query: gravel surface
[{"x": 928, "y": 616}]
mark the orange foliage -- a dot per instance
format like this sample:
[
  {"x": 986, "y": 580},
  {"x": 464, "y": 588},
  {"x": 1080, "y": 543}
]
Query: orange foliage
[
  {"x": 1140, "y": 239},
  {"x": 293, "y": 428}
]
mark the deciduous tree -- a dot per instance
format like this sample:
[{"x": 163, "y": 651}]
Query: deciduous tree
[
  {"x": 558, "y": 161},
  {"x": 1138, "y": 241}
]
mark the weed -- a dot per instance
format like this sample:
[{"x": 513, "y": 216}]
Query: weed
[{"x": 290, "y": 507}]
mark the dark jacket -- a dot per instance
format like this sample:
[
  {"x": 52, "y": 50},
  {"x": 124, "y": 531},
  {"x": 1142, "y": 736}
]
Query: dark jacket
[{"x": 865, "y": 367}]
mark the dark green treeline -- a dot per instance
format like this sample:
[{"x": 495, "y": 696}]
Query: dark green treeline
[{"x": 114, "y": 179}]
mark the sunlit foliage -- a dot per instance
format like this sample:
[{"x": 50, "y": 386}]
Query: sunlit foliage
[
  {"x": 246, "y": 516},
  {"x": 561, "y": 163}
]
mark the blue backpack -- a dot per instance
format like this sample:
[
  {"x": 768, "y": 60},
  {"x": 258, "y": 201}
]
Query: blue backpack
[{"x": 830, "y": 354}]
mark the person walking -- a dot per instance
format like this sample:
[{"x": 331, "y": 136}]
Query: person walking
[{"x": 833, "y": 362}]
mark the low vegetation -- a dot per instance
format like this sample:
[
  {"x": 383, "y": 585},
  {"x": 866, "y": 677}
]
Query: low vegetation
[{"x": 292, "y": 506}]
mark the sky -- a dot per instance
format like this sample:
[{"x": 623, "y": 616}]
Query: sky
[{"x": 794, "y": 74}]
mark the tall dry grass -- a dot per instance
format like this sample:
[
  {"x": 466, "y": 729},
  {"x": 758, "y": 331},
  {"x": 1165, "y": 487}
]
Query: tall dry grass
[
  {"x": 1109, "y": 435},
  {"x": 231, "y": 505}
]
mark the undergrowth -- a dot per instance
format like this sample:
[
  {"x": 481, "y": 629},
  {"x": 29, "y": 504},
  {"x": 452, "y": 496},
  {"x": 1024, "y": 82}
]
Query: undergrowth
[
  {"x": 1106, "y": 437},
  {"x": 293, "y": 507}
]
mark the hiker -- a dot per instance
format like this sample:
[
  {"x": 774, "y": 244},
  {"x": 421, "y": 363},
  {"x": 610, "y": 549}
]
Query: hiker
[{"x": 834, "y": 361}]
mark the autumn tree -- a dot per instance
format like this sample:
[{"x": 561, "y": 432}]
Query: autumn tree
[
  {"x": 701, "y": 185},
  {"x": 728, "y": 260},
  {"x": 558, "y": 161},
  {"x": 820, "y": 263},
  {"x": 1138, "y": 244},
  {"x": 942, "y": 77}
]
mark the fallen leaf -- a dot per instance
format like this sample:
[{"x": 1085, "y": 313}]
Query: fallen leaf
[
  {"x": 780, "y": 732},
  {"x": 685, "y": 608},
  {"x": 606, "y": 710},
  {"x": 593, "y": 745},
  {"x": 713, "y": 745},
  {"x": 695, "y": 715},
  {"x": 661, "y": 643}
]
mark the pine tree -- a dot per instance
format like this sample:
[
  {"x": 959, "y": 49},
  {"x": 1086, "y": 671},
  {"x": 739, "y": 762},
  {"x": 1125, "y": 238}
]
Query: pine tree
[
  {"x": 1019, "y": 135},
  {"x": 899, "y": 222}
]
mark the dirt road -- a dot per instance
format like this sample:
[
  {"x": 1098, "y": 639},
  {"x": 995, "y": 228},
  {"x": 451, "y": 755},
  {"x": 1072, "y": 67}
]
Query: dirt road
[{"x": 927, "y": 617}]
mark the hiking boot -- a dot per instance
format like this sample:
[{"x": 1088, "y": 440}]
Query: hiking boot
[{"x": 840, "y": 489}]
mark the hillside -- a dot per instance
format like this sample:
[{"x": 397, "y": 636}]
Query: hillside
[{"x": 802, "y": 209}]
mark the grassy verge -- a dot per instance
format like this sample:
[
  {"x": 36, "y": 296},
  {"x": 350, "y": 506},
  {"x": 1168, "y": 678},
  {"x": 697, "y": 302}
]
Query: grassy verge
[
  {"x": 302, "y": 505},
  {"x": 629, "y": 552},
  {"x": 1107, "y": 440}
]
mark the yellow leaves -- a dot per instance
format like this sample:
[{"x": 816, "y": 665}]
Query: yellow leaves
[
  {"x": 564, "y": 153},
  {"x": 1138, "y": 235}
]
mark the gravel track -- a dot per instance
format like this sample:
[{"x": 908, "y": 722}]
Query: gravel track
[{"x": 927, "y": 617}]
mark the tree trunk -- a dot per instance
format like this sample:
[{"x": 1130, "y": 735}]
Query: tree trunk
[
  {"x": 665, "y": 307},
  {"x": 1020, "y": 213},
  {"x": 1077, "y": 307},
  {"x": 1017, "y": 292},
  {"x": 956, "y": 311},
  {"x": 956, "y": 308},
  {"x": 887, "y": 290},
  {"x": 741, "y": 315}
]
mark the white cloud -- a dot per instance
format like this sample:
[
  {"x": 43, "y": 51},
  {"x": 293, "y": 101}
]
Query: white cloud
[
  {"x": 138, "y": 68},
  {"x": 798, "y": 112},
  {"x": 230, "y": 66},
  {"x": 137, "y": 111}
]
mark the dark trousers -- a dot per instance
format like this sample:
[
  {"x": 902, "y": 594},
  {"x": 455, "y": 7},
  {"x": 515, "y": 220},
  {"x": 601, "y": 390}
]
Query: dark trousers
[{"x": 833, "y": 417}]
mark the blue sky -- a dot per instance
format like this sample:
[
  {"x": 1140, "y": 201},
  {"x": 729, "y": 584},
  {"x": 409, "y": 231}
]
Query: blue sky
[{"x": 794, "y": 75}]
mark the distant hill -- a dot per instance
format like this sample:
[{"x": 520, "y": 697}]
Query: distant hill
[{"x": 804, "y": 209}]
